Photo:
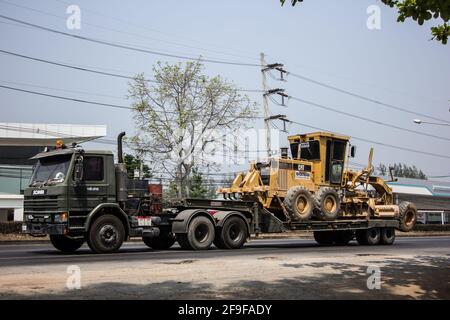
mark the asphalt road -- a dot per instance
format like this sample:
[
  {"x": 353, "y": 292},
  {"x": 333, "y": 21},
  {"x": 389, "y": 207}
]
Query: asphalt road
[
  {"x": 38, "y": 254},
  {"x": 412, "y": 268}
]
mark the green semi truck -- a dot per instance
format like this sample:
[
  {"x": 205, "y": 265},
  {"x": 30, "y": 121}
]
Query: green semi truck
[{"x": 77, "y": 196}]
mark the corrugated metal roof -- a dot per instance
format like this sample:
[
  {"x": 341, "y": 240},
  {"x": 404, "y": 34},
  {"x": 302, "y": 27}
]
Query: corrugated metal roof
[
  {"x": 421, "y": 187},
  {"x": 40, "y": 134}
]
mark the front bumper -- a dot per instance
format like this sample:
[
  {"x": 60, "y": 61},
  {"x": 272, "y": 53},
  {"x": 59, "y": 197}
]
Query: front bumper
[{"x": 37, "y": 229}]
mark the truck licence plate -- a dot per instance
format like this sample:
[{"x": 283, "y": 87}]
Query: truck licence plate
[
  {"x": 144, "y": 221},
  {"x": 24, "y": 227}
]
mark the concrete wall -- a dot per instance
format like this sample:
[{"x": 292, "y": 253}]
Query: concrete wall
[{"x": 15, "y": 202}]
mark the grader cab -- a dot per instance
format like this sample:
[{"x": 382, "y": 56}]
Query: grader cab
[{"x": 316, "y": 184}]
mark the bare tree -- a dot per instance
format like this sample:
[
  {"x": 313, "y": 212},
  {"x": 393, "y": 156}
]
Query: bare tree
[{"x": 179, "y": 114}]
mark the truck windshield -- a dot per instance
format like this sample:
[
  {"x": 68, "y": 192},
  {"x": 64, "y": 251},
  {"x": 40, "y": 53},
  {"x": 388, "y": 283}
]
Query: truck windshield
[{"x": 51, "y": 170}]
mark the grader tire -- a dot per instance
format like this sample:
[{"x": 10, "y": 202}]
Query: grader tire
[
  {"x": 299, "y": 203},
  {"x": 408, "y": 216},
  {"x": 327, "y": 204}
]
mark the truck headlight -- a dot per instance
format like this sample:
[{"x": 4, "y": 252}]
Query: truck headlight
[
  {"x": 30, "y": 217},
  {"x": 61, "y": 217}
]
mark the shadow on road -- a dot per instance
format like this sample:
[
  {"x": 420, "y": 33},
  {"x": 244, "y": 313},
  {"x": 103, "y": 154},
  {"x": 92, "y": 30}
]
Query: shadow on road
[{"x": 419, "y": 278}]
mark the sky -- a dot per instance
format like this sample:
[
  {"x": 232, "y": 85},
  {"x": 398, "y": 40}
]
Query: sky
[{"x": 327, "y": 41}]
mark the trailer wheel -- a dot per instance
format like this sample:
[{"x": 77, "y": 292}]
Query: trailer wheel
[
  {"x": 324, "y": 238},
  {"x": 327, "y": 203},
  {"x": 299, "y": 203},
  {"x": 408, "y": 216},
  {"x": 106, "y": 234},
  {"x": 343, "y": 237},
  {"x": 387, "y": 235},
  {"x": 232, "y": 235},
  {"x": 162, "y": 242},
  {"x": 65, "y": 244},
  {"x": 369, "y": 237},
  {"x": 200, "y": 234}
]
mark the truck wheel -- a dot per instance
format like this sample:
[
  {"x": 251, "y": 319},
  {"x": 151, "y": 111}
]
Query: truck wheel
[
  {"x": 65, "y": 244},
  {"x": 299, "y": 203},
  {"x": 200, "y": 234},
  {"x": 106, "y": 234},
  {"x": 408, "y": 216},
  {"x": 387, "y": 236},
  {"x": 232, "y": 235},
  {"x": 343, "y": 237},
  {"x": 162, "y": 242},
  {"x": 218, "y": 241},
  {"x": 324, "y": 238},
  {"x": 369, "y": 237},
  {"x": 327, "y": 203}
]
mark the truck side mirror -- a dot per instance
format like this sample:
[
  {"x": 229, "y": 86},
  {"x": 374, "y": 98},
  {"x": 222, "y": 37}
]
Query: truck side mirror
[
  {"x": 78, "y": 170},
  {"x": 352, "y": 151}
]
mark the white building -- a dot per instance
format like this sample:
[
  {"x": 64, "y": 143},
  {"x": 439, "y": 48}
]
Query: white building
[{"x": 18, "y": 143}]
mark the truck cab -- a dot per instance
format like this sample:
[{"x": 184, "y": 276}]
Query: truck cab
[{"x": 76, "y": 196}]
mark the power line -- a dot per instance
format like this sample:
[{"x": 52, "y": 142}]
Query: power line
[
  {"x": 67, "y": 98},
  {"x": 85, "y": 69},
  {"x": 379, "y": 143},
  {"x": 100, "y": 103},
  {"x": 127, "y": 47},
  {"x": 356, "y": 95},
  {"x": 70, "y": 66},
  {"x": 133, "y": 24},
  {"x": 368, "y": 120},
  {"x": 126, "y": 32},
  {"x": 64, "y": 90}
]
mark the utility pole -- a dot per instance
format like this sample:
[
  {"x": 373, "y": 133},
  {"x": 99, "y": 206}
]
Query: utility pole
[
  {"x": 265, "y": 105},
  {"x": 266, "y": 93}
]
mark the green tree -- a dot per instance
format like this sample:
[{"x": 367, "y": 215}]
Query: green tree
[
  {"x": 420, "y": 11},
  {"x": 401, "y": 170},
  {"x": 134, "y": 163},
  {"x": 197, "y": 187},
  {"x": 180, "y": 114}
]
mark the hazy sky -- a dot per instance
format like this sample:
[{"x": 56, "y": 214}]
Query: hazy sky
[{"x": 324, "y": 40}]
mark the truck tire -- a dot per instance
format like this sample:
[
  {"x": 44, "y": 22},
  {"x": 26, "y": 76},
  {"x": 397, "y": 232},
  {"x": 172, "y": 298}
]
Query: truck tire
[
  {"x": 387, "y": 236},
  {"x": 369, "y": 237},
  {"x": 324, "y": 238},
  {"x": 218, "y": 241},
  {"x": 232, "y": 235},
  {"x": 343, "y": 237},
  {"x": 162, "y": 242},
  {"x": 299, "y": 203},
  {"x": 327, "y": 204},
  {"x": 106, "y": 234},
  {"x": 200, "y": 234},
  {"x": 65, "y": 244},
  {"x": 408, "y": 216}
]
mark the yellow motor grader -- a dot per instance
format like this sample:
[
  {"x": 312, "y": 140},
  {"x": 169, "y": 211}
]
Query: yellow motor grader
[{"x": 316, "y": 184}]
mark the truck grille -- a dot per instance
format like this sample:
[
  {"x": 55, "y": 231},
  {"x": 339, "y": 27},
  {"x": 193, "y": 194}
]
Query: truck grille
[{"x": 40, "y": 204}]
